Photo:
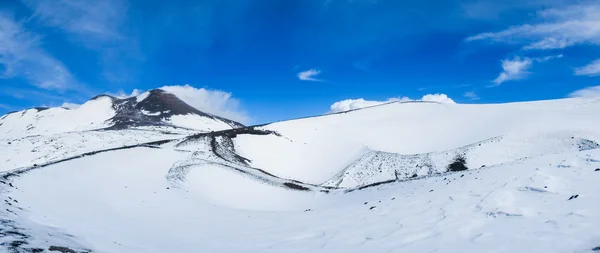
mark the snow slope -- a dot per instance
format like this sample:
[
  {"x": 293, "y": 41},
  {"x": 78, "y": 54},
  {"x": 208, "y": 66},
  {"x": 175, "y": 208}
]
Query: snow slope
[
  {"x": 110, "y": 205},
  {"x": 91, "y": 115},
  {"x": 316, "y": 149},
  {"x": 369, "y": 180},
  {"x": 41, "y": 149}
]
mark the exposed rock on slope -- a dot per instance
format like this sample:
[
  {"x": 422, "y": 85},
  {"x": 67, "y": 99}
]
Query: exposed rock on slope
[{"x": 151, "y": 109}]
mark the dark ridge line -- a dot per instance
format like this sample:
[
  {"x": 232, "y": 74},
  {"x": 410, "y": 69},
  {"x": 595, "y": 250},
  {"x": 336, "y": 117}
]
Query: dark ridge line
[
  {"x": 8, "y": 113},
  {"x": 230, "y": 133},
  {"x": 16, "y": 172},
  {"x": 38, "y": 109},
  {"x": 344, "y": 112},
  {"x": 291, "y": 183}
]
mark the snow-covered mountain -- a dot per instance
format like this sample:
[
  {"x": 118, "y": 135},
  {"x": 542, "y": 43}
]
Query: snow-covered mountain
[
  {"x": 399, "y": 177},
  {"x": 152, "y": 108}
]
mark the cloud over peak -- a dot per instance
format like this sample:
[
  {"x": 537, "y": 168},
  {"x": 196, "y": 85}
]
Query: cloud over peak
[{"x": 216, "y": 102}]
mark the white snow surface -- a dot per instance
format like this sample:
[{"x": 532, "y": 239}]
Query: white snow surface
[
  {"x": 116, "y": 206},
  {"x": 315, "y": 149},
  {"x": 193, "y": 121},
  {"x": 142, "y": 96},
  {"x": 24, "y": 152},
  {"x": 536, "y": 193},
  {"x": 91, "y": 115}
]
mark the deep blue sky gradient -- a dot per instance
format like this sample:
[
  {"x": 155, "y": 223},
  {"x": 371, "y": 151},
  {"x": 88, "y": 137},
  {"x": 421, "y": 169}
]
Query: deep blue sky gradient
[{"x": 255, "y": 48}]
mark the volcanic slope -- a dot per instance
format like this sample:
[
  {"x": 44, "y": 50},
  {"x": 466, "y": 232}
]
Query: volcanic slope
[{"x": 152, "y": 108}]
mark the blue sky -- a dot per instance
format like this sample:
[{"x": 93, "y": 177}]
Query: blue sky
[{"x": 267, "y": 60}]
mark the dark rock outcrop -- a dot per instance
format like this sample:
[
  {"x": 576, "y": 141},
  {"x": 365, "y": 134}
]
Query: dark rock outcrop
[{"x": 154, "y": 109}]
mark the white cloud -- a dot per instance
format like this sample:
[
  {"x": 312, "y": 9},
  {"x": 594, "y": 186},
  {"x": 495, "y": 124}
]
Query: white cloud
[
  {"x": 547, "y": 58},
  {"x": 517, "y": 68},
  {"x": 123, "y": 94},
  {"x": 70, "y": 105},
  {"x": 557, "y": 28},
  {"x": 21, "y": 55},
  {"x": 593, "y": 91},
  {"x": 309, "y": 75},
  {"x": 352, "y": 104},
  {"x": 438, "y": 97},
  {"x": 514, "y": 69},
  {"x": 592, "y": 69},
  {"x": 471, "y": 95},
  {"x": 215, "y": 102}
]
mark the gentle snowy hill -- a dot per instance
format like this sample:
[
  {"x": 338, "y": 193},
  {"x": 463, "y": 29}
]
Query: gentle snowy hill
[
  {"x": 418, "y": 138},
  {"x": 152, "y": 108},
  {"x": 400, "y": 177}
]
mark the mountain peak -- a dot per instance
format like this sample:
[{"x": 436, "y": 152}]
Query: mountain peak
[{"x": 155, "y": 107}]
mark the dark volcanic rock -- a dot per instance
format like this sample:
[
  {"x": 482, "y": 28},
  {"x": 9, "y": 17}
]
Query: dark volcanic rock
[
  {"x": 154, "y": 109},
  {"x": 295, "y": 186},
  {"x": 61, "y": 249},
  {"x": 39, "y": 109},
  {"x": 459, "y": 164}
]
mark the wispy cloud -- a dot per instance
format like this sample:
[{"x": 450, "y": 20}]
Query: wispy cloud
[
  {"x": 471, "y": 95},
  {"x": 557, "y": 28},
  {"x": 97, "y": 25},
  {"x": 514, "y": 69},
  {"x": 90, "y": 22},
  {"x": 309, "y": 75},
  {"x": 593, "y": 91},
  {"x": 352, "y": 104},
  {"x": 592, "y": 69},
  {"x": 518, "y": 68},
  {"x": 22, "y": 56}
]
